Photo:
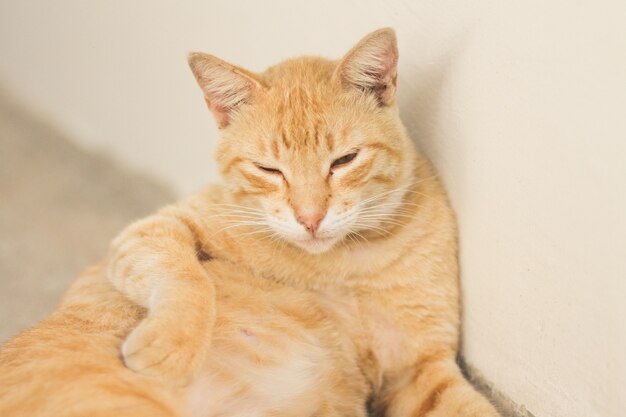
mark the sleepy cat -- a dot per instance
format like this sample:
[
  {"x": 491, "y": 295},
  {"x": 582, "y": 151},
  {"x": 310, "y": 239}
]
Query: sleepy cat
[{"x": 319, "y": 280}]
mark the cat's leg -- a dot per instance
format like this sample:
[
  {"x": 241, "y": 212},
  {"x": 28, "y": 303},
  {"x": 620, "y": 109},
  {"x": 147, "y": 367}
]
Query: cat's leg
[
  {"x": 346, "y": 392},
  {"x": 157, "y": 263},
  {"x": 436, "y": 388},
  {"x": 69, "y": 364}
]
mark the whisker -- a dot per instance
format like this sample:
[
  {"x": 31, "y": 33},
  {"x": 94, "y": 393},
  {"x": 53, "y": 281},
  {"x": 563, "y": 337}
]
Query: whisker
[
  {"x": 235, "y": 216},
  {"x": 387, "y": 221},
  {"x": 428, "y": 196},
  {"x": 245, "y": 222},
  {"x": 226, "y": 228},
  {"x": 237, "y": 213},
  {"x": 356, "y": 234},
  {"x": 237, "y": 208},
  {"x": 256, "y": 232},
  {"x": 380, "y": 195},
  {"x": 390, "y": 210},
  {"x": 403, "y": 189},
  {"x": 399, "y": 204},
  {"x": 352, "y": 240},
  {"x": 373, "y": 228},
  {"x": 386, "y": 213}
]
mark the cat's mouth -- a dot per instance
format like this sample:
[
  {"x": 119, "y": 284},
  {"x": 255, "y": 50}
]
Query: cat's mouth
[{"x": 316, "y": 245}]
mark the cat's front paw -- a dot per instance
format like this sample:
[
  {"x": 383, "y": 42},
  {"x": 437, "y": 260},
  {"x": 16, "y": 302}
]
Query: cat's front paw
[{"x": 170, "y": 349}]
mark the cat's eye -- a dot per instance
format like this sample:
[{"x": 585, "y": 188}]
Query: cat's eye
[
  {"x": 343, "y": 160},
  {"x": 269, "y": 170}
]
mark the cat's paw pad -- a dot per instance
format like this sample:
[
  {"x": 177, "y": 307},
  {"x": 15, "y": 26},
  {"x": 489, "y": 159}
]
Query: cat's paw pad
[{"x": 161, "y": 348}]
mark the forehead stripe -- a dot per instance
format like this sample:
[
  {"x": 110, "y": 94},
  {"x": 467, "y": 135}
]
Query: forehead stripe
[{"x": 330, "y": 142}]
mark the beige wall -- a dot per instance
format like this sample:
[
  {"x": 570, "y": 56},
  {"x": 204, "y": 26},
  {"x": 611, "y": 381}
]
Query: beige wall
[{"x": 521, "y": 105}]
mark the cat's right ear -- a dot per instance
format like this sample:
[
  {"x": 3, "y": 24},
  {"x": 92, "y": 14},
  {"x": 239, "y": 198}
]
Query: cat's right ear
[{"x": 225, "y": 86}]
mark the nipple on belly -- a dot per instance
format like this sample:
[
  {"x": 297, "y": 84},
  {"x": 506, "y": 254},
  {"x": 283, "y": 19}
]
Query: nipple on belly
[{"x": 247, "y": 334}]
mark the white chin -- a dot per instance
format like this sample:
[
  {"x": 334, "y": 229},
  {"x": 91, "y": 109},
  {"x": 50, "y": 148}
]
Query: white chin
[{"x": 316, "y": 245}]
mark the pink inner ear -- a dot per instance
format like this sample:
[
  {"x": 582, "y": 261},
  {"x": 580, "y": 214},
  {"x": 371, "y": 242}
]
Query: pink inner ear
[
  {"x": 372, "y": 66},
  {"x": 225, "y": 86},
  {"x": 220, "y": 113},
  {"x": 388, "y": 63}
]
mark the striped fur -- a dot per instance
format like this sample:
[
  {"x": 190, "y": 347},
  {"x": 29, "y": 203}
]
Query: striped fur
[{"x": 320, "y": 278}]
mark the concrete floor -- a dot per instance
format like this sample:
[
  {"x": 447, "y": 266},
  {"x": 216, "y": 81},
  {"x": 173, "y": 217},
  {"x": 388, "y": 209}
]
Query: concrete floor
[{"x": 59, "y": 208}]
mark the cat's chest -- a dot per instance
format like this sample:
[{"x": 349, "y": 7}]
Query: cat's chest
[{"x": 379, "y": 336}]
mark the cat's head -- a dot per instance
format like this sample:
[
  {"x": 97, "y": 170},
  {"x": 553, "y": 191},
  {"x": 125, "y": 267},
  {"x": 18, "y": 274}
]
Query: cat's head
[{"x": 313, "y": 149}]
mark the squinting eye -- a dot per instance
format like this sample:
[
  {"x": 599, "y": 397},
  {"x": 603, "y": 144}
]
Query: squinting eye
[
  {"x": 269, "y": 170},
  {"x": 344, "y": 160}
]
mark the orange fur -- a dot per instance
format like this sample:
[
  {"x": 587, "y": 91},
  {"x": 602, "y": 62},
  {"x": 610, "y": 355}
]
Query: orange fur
[{"x": 322, "y": 276}]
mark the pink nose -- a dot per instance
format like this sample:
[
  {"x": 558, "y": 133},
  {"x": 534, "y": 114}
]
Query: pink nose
[{"x": 310, "y": 219}]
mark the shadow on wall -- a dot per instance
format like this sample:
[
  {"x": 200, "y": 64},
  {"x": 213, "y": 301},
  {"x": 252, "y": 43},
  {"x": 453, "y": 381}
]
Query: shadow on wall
[{"x": 426, "y": 110}]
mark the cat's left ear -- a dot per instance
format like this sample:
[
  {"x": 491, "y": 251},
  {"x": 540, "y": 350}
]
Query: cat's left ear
[
  {"x": 225, "y": 86},
  {"x": 371, "y": 66}
]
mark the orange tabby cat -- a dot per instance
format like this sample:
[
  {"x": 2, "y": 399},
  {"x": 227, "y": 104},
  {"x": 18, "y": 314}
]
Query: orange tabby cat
[{"x": 321, "y": 277}]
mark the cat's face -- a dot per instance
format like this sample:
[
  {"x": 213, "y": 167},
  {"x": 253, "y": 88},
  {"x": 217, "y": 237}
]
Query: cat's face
[{"x": 313, "y": 149}]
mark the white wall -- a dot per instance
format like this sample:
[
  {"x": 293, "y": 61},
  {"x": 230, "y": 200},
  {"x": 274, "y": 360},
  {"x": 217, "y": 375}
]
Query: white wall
[{"x": 521, "y": 105}]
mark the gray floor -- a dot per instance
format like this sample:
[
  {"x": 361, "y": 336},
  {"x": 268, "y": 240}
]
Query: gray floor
[{"x": 59, "y": 208}]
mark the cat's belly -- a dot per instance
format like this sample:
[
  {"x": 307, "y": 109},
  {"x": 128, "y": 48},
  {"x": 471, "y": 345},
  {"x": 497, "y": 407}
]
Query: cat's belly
[
  {"x": 383, "y": 345},
  {"x": 274, "y": 352},
  {"x": 248, "y": 382}
]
